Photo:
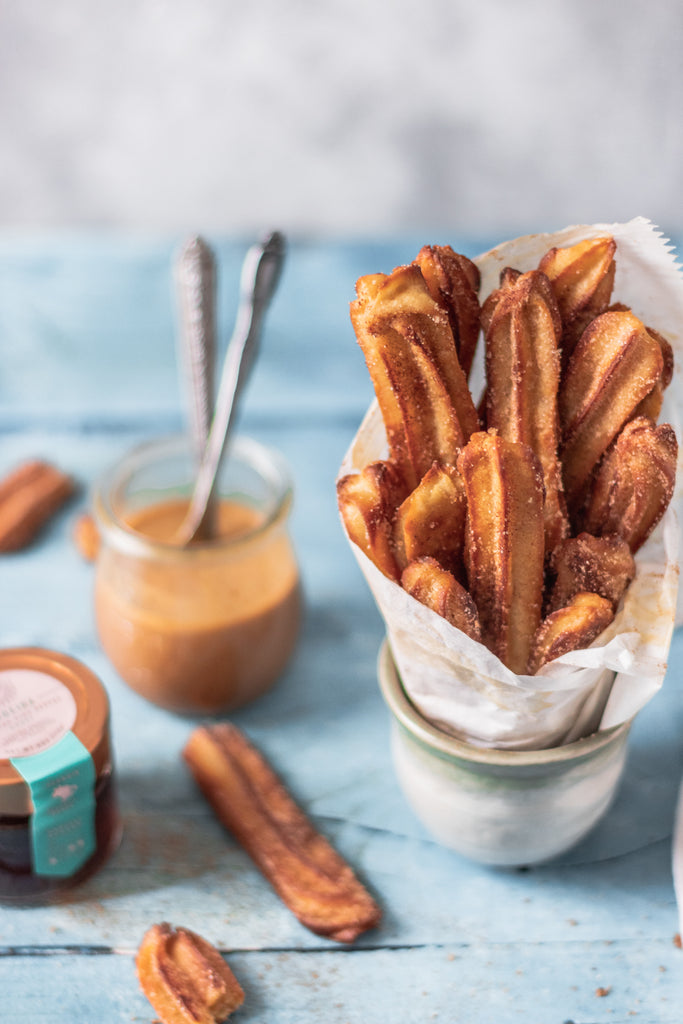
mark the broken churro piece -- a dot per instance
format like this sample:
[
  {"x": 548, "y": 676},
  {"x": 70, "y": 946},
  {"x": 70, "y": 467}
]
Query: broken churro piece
[
  {"x": 29, "y": 496},
  {"x": 426, "y": 581},
  {"x": 185, "y": 978},
  {"x": 431, "y": 521},
  {"x": 421, "y": 389},
  {"x": 600, "y": 565},
  {"x": 86, "y": 536},
  {"x": 575, "y": 626},
  {"x": 367, "y": 503},
  {"x": 635, "y": 482},
  {"x": 504, "y": 542},
  {"x": 523, "y": 376},
  {"x": 453, "y": 282},
  {"x": 582, "y": 277},
  {"x": 310, "y": 877},
  {"x": 615, "y": 365}
]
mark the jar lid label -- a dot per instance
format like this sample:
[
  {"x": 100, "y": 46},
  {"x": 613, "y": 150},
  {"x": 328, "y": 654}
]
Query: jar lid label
[
  {"x": 62, "y": 784},
  {"x": 36, "y": 711}
]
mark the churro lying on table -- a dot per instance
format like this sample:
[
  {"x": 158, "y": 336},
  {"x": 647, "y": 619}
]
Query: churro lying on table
[
  {"x": 311, "y": 878},
  {"x": 185, "y": 978}
]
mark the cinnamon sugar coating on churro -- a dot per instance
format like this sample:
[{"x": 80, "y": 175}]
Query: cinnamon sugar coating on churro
[
  {"x": 600, "y": 565},
  {"x": 570, "y": 628},
  {"x": 582, "y": 277},
  {"x": 185, "y": 978},
  {"x": 367, "y": 503},
  {"x": 504, "y": 542},
  {"x": 410, "y": 352},
  {"x": 431, "y": 585},
  {"x": 635, "y": 482},
  {"x": 453, "y": 282},
  {"x": 614, "y": 366},
  {"x": 311, "y": 878},
  {"x": 431, "y": 521},
  {"x": 523, "y": 376}
]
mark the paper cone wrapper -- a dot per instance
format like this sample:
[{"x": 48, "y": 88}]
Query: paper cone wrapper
[{"x": 456, "y": 682}]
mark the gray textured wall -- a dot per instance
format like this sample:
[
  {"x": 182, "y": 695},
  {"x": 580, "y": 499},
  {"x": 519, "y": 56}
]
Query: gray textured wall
[{"x": 349, "y": 116}]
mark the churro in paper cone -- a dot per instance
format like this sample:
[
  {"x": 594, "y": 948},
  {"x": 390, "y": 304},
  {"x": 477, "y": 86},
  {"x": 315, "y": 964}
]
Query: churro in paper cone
[{"x": 458, "y": 684}]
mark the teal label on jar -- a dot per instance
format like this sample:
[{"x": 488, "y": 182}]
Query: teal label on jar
[{"x": 62, "y": 784}]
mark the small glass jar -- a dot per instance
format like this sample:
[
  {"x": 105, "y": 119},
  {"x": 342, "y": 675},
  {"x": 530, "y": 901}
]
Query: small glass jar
[
  {"x": 207, "y": 627},
  {"x": 58, "y": 811}
]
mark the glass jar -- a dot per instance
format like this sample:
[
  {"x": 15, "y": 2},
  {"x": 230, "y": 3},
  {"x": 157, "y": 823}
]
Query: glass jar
[
  {"x": 207, "y": 627},
  {"x": 59, "y": 819}
]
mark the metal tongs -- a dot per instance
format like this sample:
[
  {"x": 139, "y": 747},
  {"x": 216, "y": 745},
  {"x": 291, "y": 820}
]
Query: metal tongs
[{"x": 212, "y": 427}]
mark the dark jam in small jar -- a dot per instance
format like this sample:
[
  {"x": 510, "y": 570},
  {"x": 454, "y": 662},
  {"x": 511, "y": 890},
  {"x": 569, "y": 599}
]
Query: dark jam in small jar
[{"x": 58, "y": 812}]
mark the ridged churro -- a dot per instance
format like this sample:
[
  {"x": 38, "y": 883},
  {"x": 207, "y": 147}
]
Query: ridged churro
[
  {"x": 185, "y": 978},
  {"x": 504, "y": 542},
  {"x": 600, "y": 565},
  {"x": 311, "y": 878},
  {"x": 615, "y": 365},
  {"x": 431, "y": 521},
  {"x": 453, "y": 282},
  {"x": 367, "y": 503},
  {"x": 523, "y": 376},
  {"x": 431, "y": 585},
  {"x": 570, "y": 628},
  {"x": 421, "y": 389},
  {"x": 635, "y": 482},
  {"x": 508, "y": 276},
  {"x": 582, "y": 277}
]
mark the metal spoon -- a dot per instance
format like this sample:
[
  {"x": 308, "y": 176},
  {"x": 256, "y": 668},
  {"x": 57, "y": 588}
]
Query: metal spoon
[
  {"x": 260, "y": 275},
  {"x": 195, "y": 275}
]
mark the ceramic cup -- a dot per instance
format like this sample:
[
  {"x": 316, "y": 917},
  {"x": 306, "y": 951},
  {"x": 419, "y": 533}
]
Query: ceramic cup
[{"x": 500, "y": 807}]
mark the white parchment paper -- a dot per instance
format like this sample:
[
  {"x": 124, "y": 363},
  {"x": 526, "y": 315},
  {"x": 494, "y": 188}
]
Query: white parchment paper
[{"x": 456, "y": 682}]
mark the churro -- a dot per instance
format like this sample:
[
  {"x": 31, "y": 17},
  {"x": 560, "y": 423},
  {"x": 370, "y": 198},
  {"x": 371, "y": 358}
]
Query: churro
[
  {"x": 421, "y": 389},
  {"x": 453, "y": 282},
  {"x": 523, "y": 375},
  {"x": 504, "y": 542},
  {"x": 601, "y": 565},
  {"x": 431, "y": 521},
  {"x": 582, "y": 277},
  {"x": 615, "y": 365},
  {"x": 575, "y": 626},
  {"x": 635, "y": 482},
  {"x": 311, "y": 878},
  {"x": 431, "y": 585},
  {"x": 367, "y": 503}
]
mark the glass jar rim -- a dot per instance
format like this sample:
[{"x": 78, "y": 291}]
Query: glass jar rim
[{"x": 268, "y": 463}]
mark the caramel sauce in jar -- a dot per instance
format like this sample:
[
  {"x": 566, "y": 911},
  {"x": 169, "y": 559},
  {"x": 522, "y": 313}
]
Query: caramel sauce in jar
[{"x": 211, "y": 626}]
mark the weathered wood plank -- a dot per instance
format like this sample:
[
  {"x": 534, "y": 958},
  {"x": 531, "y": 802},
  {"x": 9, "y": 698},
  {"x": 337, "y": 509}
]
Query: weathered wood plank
[{"x": 459, "y": 983}]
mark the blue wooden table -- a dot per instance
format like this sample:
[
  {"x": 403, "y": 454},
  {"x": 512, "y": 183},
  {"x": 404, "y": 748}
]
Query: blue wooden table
[{"x": 88, "y": 368}]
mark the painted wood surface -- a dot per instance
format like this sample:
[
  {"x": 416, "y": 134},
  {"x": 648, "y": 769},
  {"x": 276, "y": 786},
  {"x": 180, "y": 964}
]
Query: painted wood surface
[{"x": 88, "y": 342}]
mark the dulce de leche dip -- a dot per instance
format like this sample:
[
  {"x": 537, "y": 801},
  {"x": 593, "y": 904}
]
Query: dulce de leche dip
[{"x": 208, "y": 627}]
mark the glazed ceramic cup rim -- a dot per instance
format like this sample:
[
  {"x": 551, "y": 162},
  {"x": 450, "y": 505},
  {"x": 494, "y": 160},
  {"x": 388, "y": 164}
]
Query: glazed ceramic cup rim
[
  {"x": 444, "y": 745},
  {"x": 268, "y": 463}
]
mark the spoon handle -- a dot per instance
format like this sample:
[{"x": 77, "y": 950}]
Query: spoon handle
[
  {"x": 196, "y": 288},
  {"x": 260, "y": 276},
  {"x": 195, "y": 274}
]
